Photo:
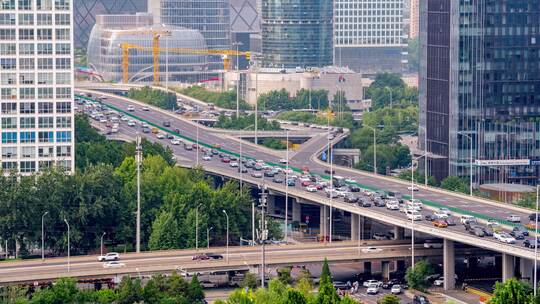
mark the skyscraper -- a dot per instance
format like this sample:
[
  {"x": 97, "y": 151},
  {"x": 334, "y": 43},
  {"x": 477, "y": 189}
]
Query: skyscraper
[
  {"x": 413, "y": 24},
  {"x": 480, "y": 86},
  {"x": 36, "y": 85},
  {"x": 296, "y": 33},
  {"x": 210, "y": 17},
  {"x": 85, "y": 12},
  {"x": 369, "y": 35}
]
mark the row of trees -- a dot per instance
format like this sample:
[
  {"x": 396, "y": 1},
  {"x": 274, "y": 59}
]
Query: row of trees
[
  {"x": 154, "y": 97},
  {"x": 246, "y": 122},
  {"x": 304, "y": 99},
  {"x": 344, "y": 120},
  {"x": 159, "y": 289},
  {"x": 226, "y": 100}
]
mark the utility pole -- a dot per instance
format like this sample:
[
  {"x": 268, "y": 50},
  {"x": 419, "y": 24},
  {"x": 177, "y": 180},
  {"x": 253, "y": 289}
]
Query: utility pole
[
  {"x": 68, "y": 246},
  {"x": 287, "y": 191},
  {"x": 263, "y": 233},
  {"x": 237, "y": 44},
  {"x": 256, "y": 105},
  {"x": 42, "y": 236},
  {"x": 138, "y": 152}
]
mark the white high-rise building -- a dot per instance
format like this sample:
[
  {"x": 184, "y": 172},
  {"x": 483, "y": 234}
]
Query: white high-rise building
[
  {"x": 36, "y": 85},
  {"x": 368, "y": 35}
]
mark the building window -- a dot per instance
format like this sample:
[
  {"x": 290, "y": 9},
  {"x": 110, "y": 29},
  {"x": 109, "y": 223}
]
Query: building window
[
  {"x": 44, "y": 164},
  {"x": 44, "y": 5},
  {"x": 45, "y": 151},
  {"x": 61, "y": 5},
  {"x": 63, "y": 63},
  {"x": 8, "y": 93},
  {"x": 26, "y": 34},
  {"x": 27, "y": 93},
  {"x": 7, "y": 19},
  {"x": 9, "y": 137},
  {"x": 45, "y": 63},
  {"x": 25, "y": 5},
  {"x": 26, "y": 19},
  {"x": 9, "y": 108},
  {"x": 6, "y": 166},
  {"x": 45, "y": 122},
  {"x": 27, "y": 137},
  {"x": 9, "y": 123},
  {"x": 45, "y": 78},
  {"x": 45, "y": 93},
  {"x": 63, "y": 93},
  {"x": 44, "y": 34},
  {"x": 28, "y": 108},
  {"x": 28, "y": 152},
  {"x": 45, "y": 107},
  {"x": 62, "y": 19},
  {"x": 63, "y": 151},
  {"x": 63, "y": 136},
  {"x": 62, "y": 34},
  {"x": 64, "y": 165},
  {"x": 7, "y": 34},
  {"x": 63, "y": 122},
  {"x": 44, "y": 48},
  {"x": 8, "y": 63},
  {"x": 46, "y": 137},
  {"x": 63, "y": 78},
  {"x": 9, "y": 152},
  {"x": 8, "y": 49},
  {"x": 7, "y": 4},
  {"x": 26, "y": 49},
  {"x": 63, "y": 107},
  {"x": 27, "y": 122},
  {"x": 28, "y": 166},
  {"x": 8, "y": 78},
  {"x": 27, "y": 64},
  {"x": 63, "y": 49},
  {"x": 44, "y": 19},
  {"x": 26, "y": 78}
]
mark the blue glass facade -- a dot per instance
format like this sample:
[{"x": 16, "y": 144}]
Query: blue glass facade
[{"x": 297, "y": 33}]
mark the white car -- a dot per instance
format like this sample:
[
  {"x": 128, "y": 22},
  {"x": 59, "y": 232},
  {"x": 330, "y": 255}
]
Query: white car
[
  {"x": 371, "y": 250},
  {"x": 207, "y": 158},
  {"x": 233, "y": 164},
  {"x": 440, "y": 215},
  {"x": 372, "y": 289},
  {"x": 111, "y": 256},
  {"x": 504, "y": 237},
  {"x": 439, "y": 282},
  {"x": 311, "y": 188},
  {"x": 350, "y": 180},
  {"x": 175, "y": 141},
  {"x": 160, "y": 136},
  {"x": 145, "y": 109},
  {"x": 413, "y": 215},
  {"x": 513, "y": 218},
  {"x": 130, "y": 108},
  {"x": 113, "y": 264},
  {"x": 131, "y": 123},
  {"x": 467, "y": 219},
  {"x": 283, "y": 161},
  {"x": 124, "y": 118},
  {"x": 413, "y": 188},
  {"x": 396, "y": 289},
  {"x": 391, "y": 205},
  {"x": 371, "y": 282}
]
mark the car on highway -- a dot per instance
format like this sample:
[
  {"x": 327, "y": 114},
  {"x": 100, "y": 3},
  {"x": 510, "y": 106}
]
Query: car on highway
[
  {"x": 226, "y": 160},
  {"x": 371, "y": 250},
  {"x": 188, "y": 147},
  {"x": 145, "y": 130},
  {"x": 521, "y": 229},
  {"x": 413, "y": 188},
  {"x": 439, "y": 223},
  {"x": 256, "y": 174},
  {"x": 529, "y": 243},
  {"x": 113, "y": 264},
  {"x": 504, "y": 237},
  {"x": 145, "y": 109},
  {"x": 214, "y": 256},
  {"x": 370, "y": 282},
  {"x": 477, "y": 231},
  {"x": 200, "y": 257},
  {"x": 111, "y": 256},
  {"x": 311, "y": 188},
  {"x": 419, "y": 299},
  {"x": 467, "y": 219},
  {"x": 439, "y": 282},
  {"x": 440, "y": 215},
  {"x": 167, "y": 123},
  {"x": 513, "y": 218},
  {"x": 305, "y": 183},
  {"x": 364, "y": 203},
  {"x": 517, "y": 234},
  {"x": 392, "y": 205},
  {"x": 396, "y": 289},
  {"x": 130, "y": 108},
  {"x": 430, "y": 217},
  {"x": 291, "y": 182},
  {"x": 380, "y": 236},
  {"x": 277, "y": 180},
  {"x": 450, "y": 221},
  {"x": 389, "y": 284},
  {"x": 372, "y": 289},
  {"x": 207, "y": 157},
  {"x": 160, "y": 136},
  {"x": 208, "y": 284},
  {"x": 283, "y": 161},
  {"x": 413, "y": 215},
  {"x": 175, "y": 141},
  {"x": 233, "y": 164},
  {"x": 131, "y": 123}
]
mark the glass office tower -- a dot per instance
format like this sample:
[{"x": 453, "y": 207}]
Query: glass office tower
[
  {"x": 480, "y": 84},
  {"x": 36, "y": 85},
  {"x": 297, "y": 33}
]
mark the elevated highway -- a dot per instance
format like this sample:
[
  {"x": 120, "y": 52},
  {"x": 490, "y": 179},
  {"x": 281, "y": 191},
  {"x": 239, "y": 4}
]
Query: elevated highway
[{"x": 307, "y": 157}]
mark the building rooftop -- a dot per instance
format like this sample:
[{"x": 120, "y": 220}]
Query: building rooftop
[{"x": 508, "y": 187}]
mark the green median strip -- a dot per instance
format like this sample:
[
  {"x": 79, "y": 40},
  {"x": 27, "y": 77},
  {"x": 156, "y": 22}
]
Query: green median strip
[{"x": 298, "y": 170}]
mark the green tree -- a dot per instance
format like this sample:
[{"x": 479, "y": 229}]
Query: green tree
[
  {"x": 389, "y": 299},
  {"x": 274, "y": 143},
  {"x": 165, "y": 233},
  {"x": 284, "y": 275},
  {"x": 416, "y": 277},
  {"x": 13, "y": 295},
  {"x": 454, "y": 183},
  {"x": 105, "y": 296},
  {"x": 249, "y": 281},
  {"x": 195, "y": 293},
  {"x": 246, "y": 122},
  {"x": 327, "y": 293},
  {"x": 347, "y": 300},
  {"x": 225, "y": 100},
  {"x": 154, "y": 97},
  {"x": 63, "y": 291},
  {"x": 294, "y": 297},
  {"x": 511, "y": 292},
  {"x": 129, "y": 291}
]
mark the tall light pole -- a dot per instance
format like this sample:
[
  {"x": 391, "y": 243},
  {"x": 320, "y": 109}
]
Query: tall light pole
[
  {"x": 535, "y": 283},
  {"x": 374, "y": 148},
  {"x": 68, "y": 247},
  {"x": 390, "y": 90},
  {"x": 287, "y": 190},
  {"x": 227, "y": 216},
  {"x": 237, "y": 44},
  {"x": 101, "y": 243},
  {"x": 198, "y": 148},
  {"x": 252, "y": 223},
  {"x": 412, "y": 204},
  {"x": 42, "y": 236},
  {"x": 470, "y": 161},
  {"x": 197, "y": 227},
  {"x": 263, "y": 234},
  {"x": 256, "y": 105},
  {"x": 208, "y": 236},
  {"x": 138, "y": 152}
]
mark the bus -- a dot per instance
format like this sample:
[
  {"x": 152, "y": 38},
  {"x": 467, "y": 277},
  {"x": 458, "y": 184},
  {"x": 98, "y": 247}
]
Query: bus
[{"x": 338, "y": 181}]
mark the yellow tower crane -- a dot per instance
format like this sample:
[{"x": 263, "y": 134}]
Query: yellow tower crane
[{"x": 156, "y": 51}]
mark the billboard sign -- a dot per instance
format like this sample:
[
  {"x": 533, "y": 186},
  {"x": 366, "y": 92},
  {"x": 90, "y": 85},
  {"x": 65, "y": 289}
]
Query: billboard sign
[{"x": 503, "y": 162}]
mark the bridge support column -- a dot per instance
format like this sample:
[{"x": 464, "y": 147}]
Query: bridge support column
[
  {"x": 271, "y": 204},
  {"x": 399, "y": 233},
  {"x": 322, "y": 221},
  {"x": 449, "y": 265},
  {"x": 385, "y": 270},
  {"x": 355, "y": 226},
  {"x": 526, "y": 269},
  {"x": 508, "y": 265},
  {"x": 296, "y": 211}
]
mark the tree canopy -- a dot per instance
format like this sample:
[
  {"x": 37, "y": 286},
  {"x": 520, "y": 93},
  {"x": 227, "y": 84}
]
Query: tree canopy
[
  {"x": 226, "y": 100},
  {"x": 154, "y": 97}
]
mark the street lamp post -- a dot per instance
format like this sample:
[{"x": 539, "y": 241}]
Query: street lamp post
[
  {"x": 197, "y": 227},
  {"x": 535, "y": 283},
  {"x": 237, "y": 44},
  {"x": 208, "y": 236},
  {"x": 101, "y": 242},
  {"x": 42, "y": 236},
  {"x": 287, "y": 190},
  {"x": 374, "y": 148},
  {"x": 390, "y": 90},
  {"x": 198, "y": 148},
  {"x": 412, "y": 204},
  {"x": 227, "y": 216},
  {"x": 138, "y": 152},
  {"x": 68, "y": 247},
  {"x": 470, "y": 161}
]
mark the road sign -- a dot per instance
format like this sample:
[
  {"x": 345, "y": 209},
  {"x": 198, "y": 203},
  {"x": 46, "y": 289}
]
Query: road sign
[{"x": 503, "y": 162}]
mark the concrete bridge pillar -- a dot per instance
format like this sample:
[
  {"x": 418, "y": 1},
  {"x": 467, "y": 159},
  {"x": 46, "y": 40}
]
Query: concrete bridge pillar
[
  {"x": 526, "y": 269},
  {"x": 355, "y": 226},
  {"x": 296, "y": 211},
  {"x": 449, "y": 265},
  {"x": 322, "y": 221},
  {"x": 385, "y": 270},
  {"x": 271, "y": 204},
  {"x": 508, "y": 266},
  {"x": 399, "y": 233}
]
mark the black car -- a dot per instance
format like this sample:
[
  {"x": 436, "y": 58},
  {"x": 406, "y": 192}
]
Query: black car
[
  {"x": 518, "y": 235},
  {"x": 389, "y": 284},
  {"x": 327, "y": 171},
  {"x": 450, "y": 221},
  {"x": 257, "y": 168},
  {"x": 418, "y": 299},
  {"x": 354, "y": 188},
  {"x": 365, "y": 203},
  {"x": 477, "y": 231},
  {"x": 169, "y": 136},
  {"x": 379, "y": 202},
  {"x": 269, "y": 173},
  {"x": 430, "y": 218},
  {"x": 214, "y": 152},
  {"x": 487, "y": 231},
  {"x": 166, "y": 123},
  {"x": 530, "y": 243},
  {"x": 350, "y": 199},
  {"x": 521, "y": 229},
  {"x": 214, "y": 256}
]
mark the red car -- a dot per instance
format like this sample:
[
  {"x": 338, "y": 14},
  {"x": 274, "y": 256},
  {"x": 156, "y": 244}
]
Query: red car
[
  {"x": 200, "y": 257},
  {"x": 305, "y": 183},
  {"x": 226, "y": 160},
  {"x": 195, "y": 146}
]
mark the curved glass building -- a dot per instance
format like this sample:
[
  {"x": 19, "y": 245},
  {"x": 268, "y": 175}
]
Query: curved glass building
[
  {"x": 110, "y": 31},
  {"x": 85, "y": 12},
  {"x": 297, "y": 33}
]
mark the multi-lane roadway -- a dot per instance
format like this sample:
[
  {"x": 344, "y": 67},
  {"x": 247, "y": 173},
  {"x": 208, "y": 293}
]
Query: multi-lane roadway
[{"x": 307, "y": 157}]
